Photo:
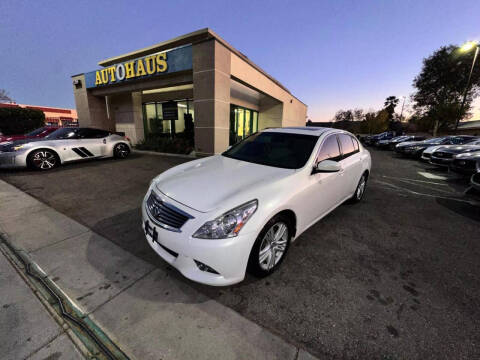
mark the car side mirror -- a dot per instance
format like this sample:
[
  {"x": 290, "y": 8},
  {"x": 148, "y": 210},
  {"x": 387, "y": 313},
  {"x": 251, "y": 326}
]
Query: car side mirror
[{"x": 327, "y": 166}]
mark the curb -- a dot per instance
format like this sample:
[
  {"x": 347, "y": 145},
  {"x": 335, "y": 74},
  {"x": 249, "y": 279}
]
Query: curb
[
  {"x": 87, "y": 344},
  {"x": 148, "y": 152}
]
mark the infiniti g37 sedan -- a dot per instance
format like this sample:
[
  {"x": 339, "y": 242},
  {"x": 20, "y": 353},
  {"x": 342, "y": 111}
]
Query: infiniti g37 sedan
[
  {"x": 62, "y": 146},
  {"x": 216, "y": 217}
]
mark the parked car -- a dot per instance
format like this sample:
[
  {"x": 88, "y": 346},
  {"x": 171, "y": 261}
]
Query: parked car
[
  {"x": 35, "y": 134},
  {"x": 390, "y": 144},
  {"x": 427, "y": 153},
  {"x": 416, "y": 148},
  {"x": 216, "y": 217},
  {"x": 466, "y": 163},
  {"x": 372, "y": 140},
  {"x": 443, "y": 156},
  {"x": 62, "y": 146}
]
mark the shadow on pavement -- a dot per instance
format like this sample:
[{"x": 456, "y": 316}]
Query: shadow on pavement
[{"x": 461, "y": 208}]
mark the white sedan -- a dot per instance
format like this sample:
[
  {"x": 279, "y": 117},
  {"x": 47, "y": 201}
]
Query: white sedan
[{"x": 217, "y": 217}]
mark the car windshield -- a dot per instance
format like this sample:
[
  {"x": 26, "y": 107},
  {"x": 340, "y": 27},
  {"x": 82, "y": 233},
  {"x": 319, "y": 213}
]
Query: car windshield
[
  {"x": 473, "y": 141},
  {"x": 64, "y": 133},
  {"x": 35, "y": 132},
  {"x": 278, "y": 149}
]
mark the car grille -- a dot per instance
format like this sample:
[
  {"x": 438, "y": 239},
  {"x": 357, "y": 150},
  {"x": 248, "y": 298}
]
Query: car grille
[
  {"x": 443, "y": 155},
  {"x": 427, "y": 155},
  {"x": 166, "y": 215}
]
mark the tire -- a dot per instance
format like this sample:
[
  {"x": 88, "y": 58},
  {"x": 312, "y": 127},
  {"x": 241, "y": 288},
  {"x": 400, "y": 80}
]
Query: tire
[
  {"x": 261, "y": 262},
  {"x": 121, "y": 151},
  {"x": 360, "y": 190},
  {"x": 43, "y": 159}
]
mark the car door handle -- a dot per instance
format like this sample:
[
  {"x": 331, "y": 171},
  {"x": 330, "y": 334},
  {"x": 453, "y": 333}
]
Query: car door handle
[{"x": 104, "y": 141}]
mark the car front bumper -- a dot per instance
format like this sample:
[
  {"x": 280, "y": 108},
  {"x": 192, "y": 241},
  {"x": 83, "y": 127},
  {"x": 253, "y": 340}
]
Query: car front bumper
[
  {"x": 12, "y": 160},
  {"x": 444, "y": 162},
  {"x": 465, "y": 166},
  {"x": 227, "y": 257}
]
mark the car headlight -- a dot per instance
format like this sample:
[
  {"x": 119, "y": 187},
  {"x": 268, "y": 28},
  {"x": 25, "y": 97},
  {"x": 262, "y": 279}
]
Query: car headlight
[
  {"x": 228, "y": 224},
  {"x": 18, "y": 147}
]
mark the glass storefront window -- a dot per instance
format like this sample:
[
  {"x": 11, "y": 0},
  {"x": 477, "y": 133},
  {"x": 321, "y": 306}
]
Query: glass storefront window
[
  {"x": 243, "y": 123},
  {"x": 154, "y": 123}
]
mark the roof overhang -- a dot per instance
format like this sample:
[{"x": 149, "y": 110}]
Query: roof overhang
[{"x": 190, "y": 38}]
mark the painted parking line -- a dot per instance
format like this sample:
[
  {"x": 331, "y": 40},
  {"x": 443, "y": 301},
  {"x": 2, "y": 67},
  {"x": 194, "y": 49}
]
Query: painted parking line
[
  {"x": 432, "y": 176},
  {"x": 417, "y": 193}
]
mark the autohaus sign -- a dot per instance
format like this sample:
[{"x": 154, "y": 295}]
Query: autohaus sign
[{"x": 178, "y": 59}]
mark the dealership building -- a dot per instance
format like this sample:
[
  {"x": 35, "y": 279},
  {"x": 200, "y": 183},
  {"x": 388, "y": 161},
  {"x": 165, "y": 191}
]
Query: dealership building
[{"x": 193, "y": 83}]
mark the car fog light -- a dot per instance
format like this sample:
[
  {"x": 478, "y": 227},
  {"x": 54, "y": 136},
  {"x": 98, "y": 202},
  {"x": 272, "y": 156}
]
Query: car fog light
[{"x": 204, "y": 267}]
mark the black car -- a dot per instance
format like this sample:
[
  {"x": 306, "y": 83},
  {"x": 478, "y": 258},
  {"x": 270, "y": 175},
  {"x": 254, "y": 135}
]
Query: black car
[
  {"x": 466, "y": 163},
  {"x": 372, "y": 140},
  {"x": 444, "y": 155},
  {"x": 415, "y": 148}
]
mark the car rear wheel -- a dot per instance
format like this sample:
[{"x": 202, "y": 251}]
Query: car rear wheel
[
  {"x": 271, "y": 247},
  {"x": 43, "y": 159},
  {"x": 121, "y": 151}
]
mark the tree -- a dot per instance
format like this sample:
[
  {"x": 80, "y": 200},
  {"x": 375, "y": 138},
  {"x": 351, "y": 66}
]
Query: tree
[
  {"x": 343, "y": 115},
  {"x": 4, "y": 98},
  {"x": 20, "y": 121},
  {"x": 375, "y": 122},
  {"x": 440, "y": 86},
  {"x": 358, "y": 114},
  {"x": 390, "y": 104}
]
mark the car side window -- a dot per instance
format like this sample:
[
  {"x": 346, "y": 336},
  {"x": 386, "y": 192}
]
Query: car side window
[
  {"x": 346, "y": 145},
  {"x": 355, "y": 144},
  {"x": 92, "y": 133},
  {"x": 329, "y": 150}
]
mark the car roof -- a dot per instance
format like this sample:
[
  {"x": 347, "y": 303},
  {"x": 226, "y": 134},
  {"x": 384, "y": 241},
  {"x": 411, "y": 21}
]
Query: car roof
[{"x": 304, "y": 130}]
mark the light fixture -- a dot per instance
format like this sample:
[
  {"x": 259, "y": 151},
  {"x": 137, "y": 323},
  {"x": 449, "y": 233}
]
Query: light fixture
[{"x": 468, "y": 46}]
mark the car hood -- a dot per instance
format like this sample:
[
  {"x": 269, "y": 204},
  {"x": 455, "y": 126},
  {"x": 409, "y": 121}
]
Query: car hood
[
  {"x": 457, "y": 149},
  {"x": 414, "y": 143},
  {"x": 8, "y": 145},
  {"x": 4, "y": 138},
  {"x": 216, "y": 181},
  {"x": 468, "y": 155},
  {"x": 434, "y": 148}
]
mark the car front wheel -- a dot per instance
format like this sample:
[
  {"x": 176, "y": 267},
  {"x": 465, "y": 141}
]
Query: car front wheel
[
  {"x": 43, "y": 159},
  {"x": 271, "y": 247}
]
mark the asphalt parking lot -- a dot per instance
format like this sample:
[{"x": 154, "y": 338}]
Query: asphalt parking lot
[{"x": 396, "y": 276}]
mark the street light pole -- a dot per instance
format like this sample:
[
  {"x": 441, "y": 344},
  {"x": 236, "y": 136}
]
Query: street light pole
[{"x": 467, "y": 87}]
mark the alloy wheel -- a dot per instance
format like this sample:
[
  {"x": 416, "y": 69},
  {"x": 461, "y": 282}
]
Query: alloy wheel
[
  {"x": 122, "y": 151},
  {"x": 273, "y": 246},
  {"x": 361, "y": 187},
  {"x": 44, "y": 160}
]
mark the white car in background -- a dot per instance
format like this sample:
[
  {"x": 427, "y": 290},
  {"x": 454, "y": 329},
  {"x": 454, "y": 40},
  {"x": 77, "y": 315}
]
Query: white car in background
[
  {"x": 62, "y": 146},
  {"x": 216, "y": 217}
]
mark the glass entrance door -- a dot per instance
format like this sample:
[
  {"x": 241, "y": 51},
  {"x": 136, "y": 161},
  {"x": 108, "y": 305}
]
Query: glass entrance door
[{"x": 243, "y": 123}]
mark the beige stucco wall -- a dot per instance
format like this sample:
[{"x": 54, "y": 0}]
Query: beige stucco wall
[
  {"x": 92, "y": 110},
  {"x": 294, "y": 111}
]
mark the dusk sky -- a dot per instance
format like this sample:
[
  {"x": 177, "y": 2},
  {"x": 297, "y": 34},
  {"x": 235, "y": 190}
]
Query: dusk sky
[{"x": 330, "y": 54}]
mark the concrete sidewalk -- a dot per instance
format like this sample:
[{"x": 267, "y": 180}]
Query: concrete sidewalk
[
  {"x": 146, "y": 310},
  {"x": 27, "y": 330}
]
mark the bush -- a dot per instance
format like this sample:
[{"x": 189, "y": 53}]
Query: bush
[
  {"x": 159, "y": 142},
  {"x": 20, "y": 121}
]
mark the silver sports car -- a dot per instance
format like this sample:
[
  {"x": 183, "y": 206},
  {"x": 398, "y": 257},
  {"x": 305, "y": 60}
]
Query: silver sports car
[{"x": 62, "y": 146}]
